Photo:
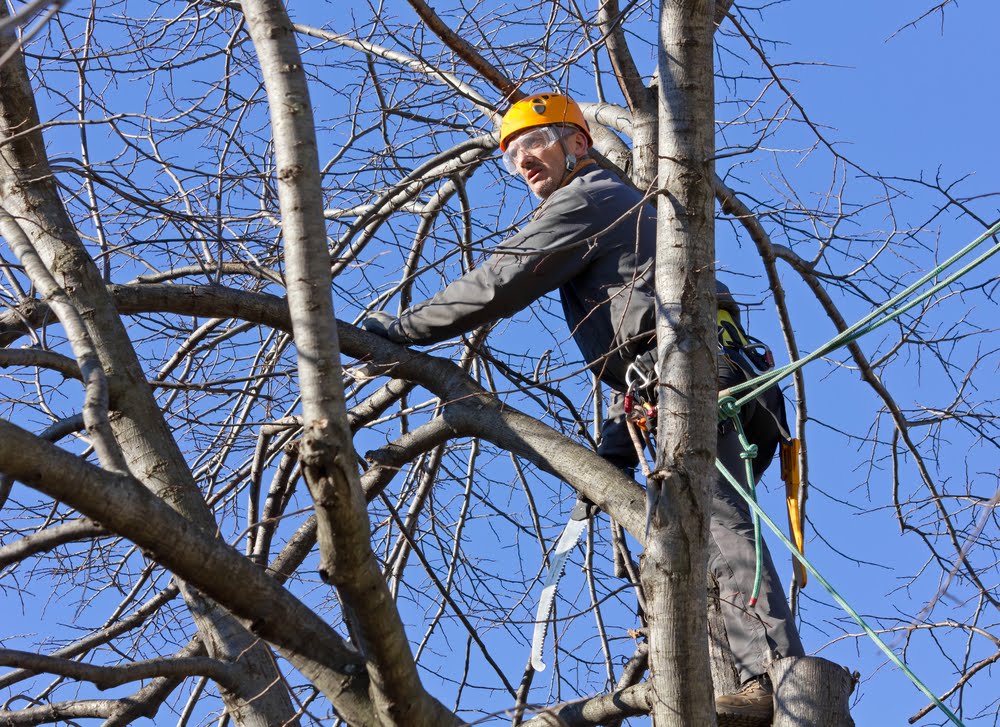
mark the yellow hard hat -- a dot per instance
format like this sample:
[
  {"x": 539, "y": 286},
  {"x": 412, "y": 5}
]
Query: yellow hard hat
[{"x": 542, "y": 109}]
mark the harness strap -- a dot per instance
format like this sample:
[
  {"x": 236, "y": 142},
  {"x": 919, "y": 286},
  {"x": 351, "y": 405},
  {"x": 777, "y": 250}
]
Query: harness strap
[{"x": 753, "y": 357}]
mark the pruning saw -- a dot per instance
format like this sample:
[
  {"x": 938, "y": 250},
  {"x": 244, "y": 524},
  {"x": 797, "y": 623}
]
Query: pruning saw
[{"x": 578, "y": 520}]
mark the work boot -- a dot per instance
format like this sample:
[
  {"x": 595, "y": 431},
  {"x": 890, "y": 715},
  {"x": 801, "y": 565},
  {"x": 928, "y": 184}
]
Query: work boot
[{"x": 751, "y": 706}]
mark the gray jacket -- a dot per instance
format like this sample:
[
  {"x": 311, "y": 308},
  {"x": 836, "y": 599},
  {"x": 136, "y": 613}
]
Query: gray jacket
[{"x": 595, "y": 240}]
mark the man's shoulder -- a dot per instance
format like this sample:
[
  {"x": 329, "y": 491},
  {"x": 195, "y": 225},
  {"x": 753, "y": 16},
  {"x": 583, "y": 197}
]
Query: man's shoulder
[
  {"x": 591, "y": 204},
  {"x": 598, "y": 176},
  {"x": 601, "y": 187}
]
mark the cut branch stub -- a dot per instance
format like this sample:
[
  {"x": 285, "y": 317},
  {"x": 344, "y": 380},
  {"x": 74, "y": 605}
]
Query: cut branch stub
[{"x": 811, "y": 691}]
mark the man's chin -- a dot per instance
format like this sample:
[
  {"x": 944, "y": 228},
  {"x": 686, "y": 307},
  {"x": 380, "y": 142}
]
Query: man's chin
[{"x": 542, "y": 188}]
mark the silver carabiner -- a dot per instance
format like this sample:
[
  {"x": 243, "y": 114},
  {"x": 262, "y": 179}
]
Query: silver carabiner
[{"x": 638, "y": 376}]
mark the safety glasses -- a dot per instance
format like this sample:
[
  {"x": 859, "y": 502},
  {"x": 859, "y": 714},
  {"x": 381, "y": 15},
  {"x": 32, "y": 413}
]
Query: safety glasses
[{"x": 530, "y": 142}]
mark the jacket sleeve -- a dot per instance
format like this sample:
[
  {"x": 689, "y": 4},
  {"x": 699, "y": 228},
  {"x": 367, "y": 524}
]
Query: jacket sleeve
[{"x": 546, "y": 253}]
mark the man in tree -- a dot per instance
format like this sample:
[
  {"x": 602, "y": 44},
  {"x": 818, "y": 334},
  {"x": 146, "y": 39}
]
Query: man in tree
[{"x": 593, "y": 237}]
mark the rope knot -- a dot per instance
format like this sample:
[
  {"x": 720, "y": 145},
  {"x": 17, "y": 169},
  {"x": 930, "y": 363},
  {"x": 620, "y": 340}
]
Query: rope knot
[{"x": 728, "y": 409}]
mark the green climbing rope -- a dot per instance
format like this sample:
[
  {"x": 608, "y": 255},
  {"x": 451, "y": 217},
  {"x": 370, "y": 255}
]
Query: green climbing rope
[
  {"x": 729, "y": 408},
  {"x": 759, "y": 513},
  {"x": 890, "y": 310},
  {"x": 729, "y": 411}
]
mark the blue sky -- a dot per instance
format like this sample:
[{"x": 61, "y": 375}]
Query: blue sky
[{"x": 905, "y": 98}]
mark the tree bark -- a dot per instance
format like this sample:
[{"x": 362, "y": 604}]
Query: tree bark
[
  {"x": 675, "y": 562},
  {"x": 725, "y": 680},
  {"x": 645, "y": 160},
  {"x": 811, "y": 691}
]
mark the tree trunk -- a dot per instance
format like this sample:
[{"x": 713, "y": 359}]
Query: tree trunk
[
  {"x": 811, "y": 691},
  {"x": 644, "y": 144},
  {"x": 675, "y": 562}
]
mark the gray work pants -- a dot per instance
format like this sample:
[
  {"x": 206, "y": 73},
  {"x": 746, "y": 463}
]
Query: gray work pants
[{"x": 766, "y": 631}]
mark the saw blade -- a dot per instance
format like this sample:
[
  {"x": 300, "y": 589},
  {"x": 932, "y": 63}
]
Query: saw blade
[{"x": 570, "y": 535}]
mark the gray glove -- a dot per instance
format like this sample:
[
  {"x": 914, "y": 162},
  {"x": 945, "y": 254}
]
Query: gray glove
[{"x": 380, "y": 323}]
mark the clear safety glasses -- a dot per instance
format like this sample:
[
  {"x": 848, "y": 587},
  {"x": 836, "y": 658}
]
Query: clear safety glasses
[{"x": 531, "y": 142}]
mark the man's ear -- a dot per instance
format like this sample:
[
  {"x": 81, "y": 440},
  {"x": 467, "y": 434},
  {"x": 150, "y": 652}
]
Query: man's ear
[{"x": 580, "y": 146}]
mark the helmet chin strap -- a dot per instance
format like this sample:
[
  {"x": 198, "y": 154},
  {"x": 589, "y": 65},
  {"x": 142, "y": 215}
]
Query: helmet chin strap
[
  {"x": 570, "y": 156},
  {"x": 570, "y": 160}
]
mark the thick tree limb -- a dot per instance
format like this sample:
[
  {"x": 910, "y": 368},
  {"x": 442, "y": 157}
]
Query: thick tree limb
[
  {"x": 638, "y": 97},
  {"x": 620, "y": 704},
  {"x": 526, "y": 437},
  {"x": 105, "y": 677},
  {"x": 616, "y": 494},
  {"x": 60, "y": 712},
  {"x": 42, "y": 359},
  {"x": 95, "y": 400}
]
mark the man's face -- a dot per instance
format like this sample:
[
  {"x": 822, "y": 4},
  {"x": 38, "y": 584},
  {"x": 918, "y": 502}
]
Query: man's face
[{"x": 538, "y": 157}]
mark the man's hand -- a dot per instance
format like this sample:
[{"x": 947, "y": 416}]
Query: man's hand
[{"x": 380, "y": 323}]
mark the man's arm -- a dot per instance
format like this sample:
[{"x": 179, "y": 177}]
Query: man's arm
[{"x": 545, "y": 254}]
